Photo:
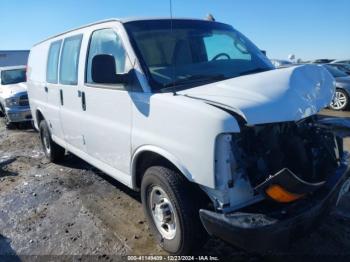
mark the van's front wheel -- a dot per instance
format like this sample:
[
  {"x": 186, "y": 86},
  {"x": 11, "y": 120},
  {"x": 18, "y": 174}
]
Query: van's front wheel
[
  {"x": 171, "y": 210},
  {"x": 53, "y": 152}
]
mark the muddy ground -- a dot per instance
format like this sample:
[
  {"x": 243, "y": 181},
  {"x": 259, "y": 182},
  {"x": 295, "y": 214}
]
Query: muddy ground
[{"x": 74, "y": 209}]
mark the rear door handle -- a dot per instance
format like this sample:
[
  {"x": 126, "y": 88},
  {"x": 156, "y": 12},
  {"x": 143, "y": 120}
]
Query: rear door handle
[
  {"x": 46, "y": 89},
  {"x": 61, "y": 96}
]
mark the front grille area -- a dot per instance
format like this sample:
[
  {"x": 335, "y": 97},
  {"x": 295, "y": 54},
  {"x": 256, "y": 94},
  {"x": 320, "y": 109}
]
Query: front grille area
[
  {"x": 23, "y": 100},
  {"x": 311, "y": 151}
]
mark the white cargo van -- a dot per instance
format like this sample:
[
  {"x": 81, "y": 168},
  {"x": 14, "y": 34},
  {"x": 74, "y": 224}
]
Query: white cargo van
[{"x": 193, "y": 115}]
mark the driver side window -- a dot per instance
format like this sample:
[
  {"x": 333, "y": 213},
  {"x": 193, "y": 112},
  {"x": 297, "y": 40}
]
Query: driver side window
[
  {"x": 221, "y": 46},
  {"x": 106, "y": 41}
]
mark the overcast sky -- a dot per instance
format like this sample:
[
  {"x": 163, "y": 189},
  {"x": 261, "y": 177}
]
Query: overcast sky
[{"x": 309, "y": 29}]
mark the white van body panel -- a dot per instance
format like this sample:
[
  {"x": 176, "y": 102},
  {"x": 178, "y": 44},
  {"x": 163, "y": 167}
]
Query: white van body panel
[
  {"x": 36, "y": 80},
  {"x": 113, "y": 172},
  {"x": 166, "y": 121}
]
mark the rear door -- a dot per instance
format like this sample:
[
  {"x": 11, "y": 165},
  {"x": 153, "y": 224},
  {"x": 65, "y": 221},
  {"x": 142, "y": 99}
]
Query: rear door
[
  {"x": 53, "y": 90},
  {"x": 69, "y": 96}
]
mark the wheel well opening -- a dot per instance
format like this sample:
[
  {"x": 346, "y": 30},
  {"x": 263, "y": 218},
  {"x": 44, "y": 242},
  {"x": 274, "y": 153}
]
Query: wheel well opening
[
  {"x": 342, "y": 90},
  {"x": 39, "y": 117},
  {"x": 147, "y": 159}
]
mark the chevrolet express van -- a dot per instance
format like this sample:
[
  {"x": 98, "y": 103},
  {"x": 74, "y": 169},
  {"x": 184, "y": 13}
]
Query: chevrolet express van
[{"x": 192, "y": 115}]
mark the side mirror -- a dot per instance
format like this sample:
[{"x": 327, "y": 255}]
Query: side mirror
[{"x": 104, "y": 70}]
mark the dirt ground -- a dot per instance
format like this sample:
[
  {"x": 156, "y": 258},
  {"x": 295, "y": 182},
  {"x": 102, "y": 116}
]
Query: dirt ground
[{"x": 74, "y": 209}]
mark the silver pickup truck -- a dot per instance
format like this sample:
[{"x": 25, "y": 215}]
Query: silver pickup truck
[{"x": 14, "y": 105}]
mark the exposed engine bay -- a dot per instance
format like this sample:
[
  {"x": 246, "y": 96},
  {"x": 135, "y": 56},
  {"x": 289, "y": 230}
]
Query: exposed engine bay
[{"x": 302, "y": 154}]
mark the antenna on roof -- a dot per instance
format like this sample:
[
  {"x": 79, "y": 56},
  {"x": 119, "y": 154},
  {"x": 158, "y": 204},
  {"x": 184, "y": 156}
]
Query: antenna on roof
[
  {"x": 210, "y": 17},
  {"x": 171, "y": 8}
]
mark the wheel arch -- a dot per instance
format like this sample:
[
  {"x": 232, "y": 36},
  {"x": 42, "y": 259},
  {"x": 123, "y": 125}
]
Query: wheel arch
[
  {"x": 147, "y": 156},
  {"x": 39, "y": 116},
  {"x": 346, "y": 90}
]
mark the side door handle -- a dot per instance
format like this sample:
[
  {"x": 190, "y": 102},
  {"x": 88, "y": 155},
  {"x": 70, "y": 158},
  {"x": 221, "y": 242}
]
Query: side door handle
[
  {"x": 83, "y": 101},
  {"x": 46, "y": 89},
  {"x": 61, "y": 96},
  {"x": 81, "y": 94}
]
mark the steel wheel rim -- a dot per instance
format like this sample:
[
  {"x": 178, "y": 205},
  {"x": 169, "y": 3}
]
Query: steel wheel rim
[
  {"x": 339, "y": 101},
  {"x": 163, "y": 212}
]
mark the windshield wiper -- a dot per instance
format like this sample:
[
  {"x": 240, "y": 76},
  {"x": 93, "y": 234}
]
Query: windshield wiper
[
  {"x": 254, "y": 71},
  {"x": 194, "y": 79}
]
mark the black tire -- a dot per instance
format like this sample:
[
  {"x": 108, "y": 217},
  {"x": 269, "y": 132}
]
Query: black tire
[
  {"x": 53, "y": 152},
  {"x": 190, "y": 233},
  {"x": 342, "y": 105}
]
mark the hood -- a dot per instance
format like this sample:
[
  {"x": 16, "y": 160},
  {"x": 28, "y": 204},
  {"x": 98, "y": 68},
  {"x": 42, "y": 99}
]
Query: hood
[
  {"x": 287, "y": 94},
  {"x": 11, "y": 90}
]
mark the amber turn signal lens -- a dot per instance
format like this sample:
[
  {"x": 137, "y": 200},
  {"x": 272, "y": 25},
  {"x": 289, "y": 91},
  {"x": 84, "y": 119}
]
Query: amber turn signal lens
[{"x": 279, "y": 194}]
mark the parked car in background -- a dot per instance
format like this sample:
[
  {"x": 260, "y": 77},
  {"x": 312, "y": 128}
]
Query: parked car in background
[
  {"x": 321, "y": 61},
  {"x": 342, "y": 61},
  {"x": 14, "y": 104},
  {"x": 342, "y": 92},
  {"x": 278, "y": 63},
  {"x": 342, "y": 67},
  {"x": 196, "y": 118}
]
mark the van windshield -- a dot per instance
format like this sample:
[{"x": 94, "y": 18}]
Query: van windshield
[
  {"x": 14, "y": 76},
  {"x": 184, "y": 53}
]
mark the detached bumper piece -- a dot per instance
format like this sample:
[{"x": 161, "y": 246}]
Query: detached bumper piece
[
  {"x": 275, "y": 228},
  {"x": 285, "y": 186}
]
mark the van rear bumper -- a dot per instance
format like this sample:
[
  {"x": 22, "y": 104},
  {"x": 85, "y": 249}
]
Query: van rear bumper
[{"x": 262, "y": 232}]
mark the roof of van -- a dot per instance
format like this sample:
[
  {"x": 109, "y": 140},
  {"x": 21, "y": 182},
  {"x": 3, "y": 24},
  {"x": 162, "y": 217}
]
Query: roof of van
[
  {"x": 123, "y": 20},
  {"x": 12, "y": 67}
]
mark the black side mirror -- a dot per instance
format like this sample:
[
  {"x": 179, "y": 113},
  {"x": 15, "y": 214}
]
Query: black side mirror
[{"x": 104, "y": 70}]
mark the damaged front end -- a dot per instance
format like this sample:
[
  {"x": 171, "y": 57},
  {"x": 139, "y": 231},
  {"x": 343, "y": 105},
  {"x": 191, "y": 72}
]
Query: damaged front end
[
  {"x": 280, "y": 179},
  {"x": 299, "y": 157}
]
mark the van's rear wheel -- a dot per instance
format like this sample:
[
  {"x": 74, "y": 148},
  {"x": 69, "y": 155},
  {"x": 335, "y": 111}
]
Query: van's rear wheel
[
  {"x": 172, "y": 209},
  {"x": 53, "y": 152}
]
